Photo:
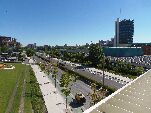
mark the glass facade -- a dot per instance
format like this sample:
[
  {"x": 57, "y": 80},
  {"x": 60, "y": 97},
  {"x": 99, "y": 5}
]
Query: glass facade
[
  {"x": 123, "y": 52},
  {"x": 126, "y": 31}
]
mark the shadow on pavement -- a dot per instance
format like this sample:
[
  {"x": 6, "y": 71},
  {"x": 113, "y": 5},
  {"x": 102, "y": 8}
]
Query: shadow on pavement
[{"x": 74, "y": 104}]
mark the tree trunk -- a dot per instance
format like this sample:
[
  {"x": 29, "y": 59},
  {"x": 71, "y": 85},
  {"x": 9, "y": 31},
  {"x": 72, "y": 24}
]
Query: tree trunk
[
  {"x": 66, "y": 102},
  {"x": 55, "y": 81}
]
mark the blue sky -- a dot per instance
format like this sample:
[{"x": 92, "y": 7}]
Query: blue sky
[{"x": 59, "y": 22}]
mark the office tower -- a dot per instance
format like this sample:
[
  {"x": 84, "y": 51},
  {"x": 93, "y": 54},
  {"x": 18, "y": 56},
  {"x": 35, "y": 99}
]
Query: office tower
[{"x": 124, "y": 31}]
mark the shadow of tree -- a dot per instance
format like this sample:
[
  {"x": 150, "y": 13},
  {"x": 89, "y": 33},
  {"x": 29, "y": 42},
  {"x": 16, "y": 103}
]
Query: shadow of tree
[{"x": 74, "y": 104}]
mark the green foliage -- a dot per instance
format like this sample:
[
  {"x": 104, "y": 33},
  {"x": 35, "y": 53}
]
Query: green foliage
[
  {"x": 95, "y": 54},
  {"x": 125, "y": 69},
  {"x": 27, "y": 97},
  {"x": 3, "y": 48},
  {"x": 65, "y": 91},
  {"x": 76, "y": 77},
  {"x": 139, "y": 70},
  {"x": 36, "y": 95},
  {"x": 6, "y": 88},
  {"x": 93, "y": 86},
  {"x": 54, "y": 53},
  {"x": 42, "y": 66},
  {"x": 86, "y": 79},
  {"x": 55, "y": 70},
  {"x": 65, "y": 80},
  {"x": 30, "y": 52},
  {"x": 132, "y": 77},
  {"x": 94, "y": 96}
]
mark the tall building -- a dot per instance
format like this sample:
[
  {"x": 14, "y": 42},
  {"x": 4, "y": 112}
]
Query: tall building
[{"x": 124, "y": 31}]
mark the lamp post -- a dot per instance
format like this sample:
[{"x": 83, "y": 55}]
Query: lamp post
[{"x": 103, "y": 69}]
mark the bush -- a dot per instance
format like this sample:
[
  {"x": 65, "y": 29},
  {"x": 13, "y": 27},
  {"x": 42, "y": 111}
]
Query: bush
[{"x": 37, "y": 100}]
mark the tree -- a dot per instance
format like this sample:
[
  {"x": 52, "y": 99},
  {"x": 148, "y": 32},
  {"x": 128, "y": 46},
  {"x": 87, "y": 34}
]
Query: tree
[
  {"x": 55, "y": 71},
  {"x": 95, "y": 53},
  {"x": 102, "y": 65},
  {"x": 139, "y": 70},
  {"x": 107, "y": 64},
  {"x": 66, "y": 92},
  {"x": 76, "y": 77},
  {"x": 3, "y": 48},
  {"x": 20, "y": 57},
  {"x": 94, "y": 96},
  {"x": 66, "y": 55},
  {"x": 128, "y": 69},
  {"x": 42, "y": 66},
  {"x": 30, "y": 52},
  {"x": 48, "y": 71},
  {"x": 54, "y": 53},
  {"x": 64, "y": 82},
  {"x": 18, "y": 48}
]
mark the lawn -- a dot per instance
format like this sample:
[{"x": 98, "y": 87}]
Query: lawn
[
  {"x": 27, "y": 102},
  {"x": 8, "y": 80}
]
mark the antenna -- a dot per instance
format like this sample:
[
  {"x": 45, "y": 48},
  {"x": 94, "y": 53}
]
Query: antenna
[{"x": 120, "y": 11}]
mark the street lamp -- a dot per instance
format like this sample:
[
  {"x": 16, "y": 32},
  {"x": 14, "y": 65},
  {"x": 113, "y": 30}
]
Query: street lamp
[{"x": 103, "y": 68}]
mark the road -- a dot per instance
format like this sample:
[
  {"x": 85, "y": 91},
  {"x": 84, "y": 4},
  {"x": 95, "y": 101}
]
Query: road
[
  {"x": 113, "y": 83},
  {"x": 96, "y": 77}
]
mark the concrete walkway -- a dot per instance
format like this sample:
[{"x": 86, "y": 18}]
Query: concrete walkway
[{"x": 54, "y": 101}]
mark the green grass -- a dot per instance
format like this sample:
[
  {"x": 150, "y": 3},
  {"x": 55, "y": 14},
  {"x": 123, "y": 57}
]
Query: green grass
[
  {"x": 27, "y": 102},
  {"x": 8, "y": 80},
  {"x": 17, "y": 98}
]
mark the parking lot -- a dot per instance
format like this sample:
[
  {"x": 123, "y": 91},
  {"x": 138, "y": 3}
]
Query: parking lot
[{"x": 144, "y": 61}]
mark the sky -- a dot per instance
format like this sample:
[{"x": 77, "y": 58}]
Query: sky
[{"x": 71, "y": 22}]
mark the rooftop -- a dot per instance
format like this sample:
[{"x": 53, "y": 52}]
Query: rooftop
[{"x": 132, "y": 98}]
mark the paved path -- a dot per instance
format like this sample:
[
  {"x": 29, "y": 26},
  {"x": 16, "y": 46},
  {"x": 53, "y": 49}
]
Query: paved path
[{"x": 54, "y": 101}]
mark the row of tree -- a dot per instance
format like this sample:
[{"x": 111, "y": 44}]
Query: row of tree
[
  {"x": 64, "y": 81},
  {"x": 125, "y": 69},
  {"x": 97, "y": 59}
]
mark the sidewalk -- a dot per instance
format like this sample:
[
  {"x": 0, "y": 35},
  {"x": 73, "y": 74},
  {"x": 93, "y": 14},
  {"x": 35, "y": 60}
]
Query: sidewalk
[{"x": 54, "y": 101}]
